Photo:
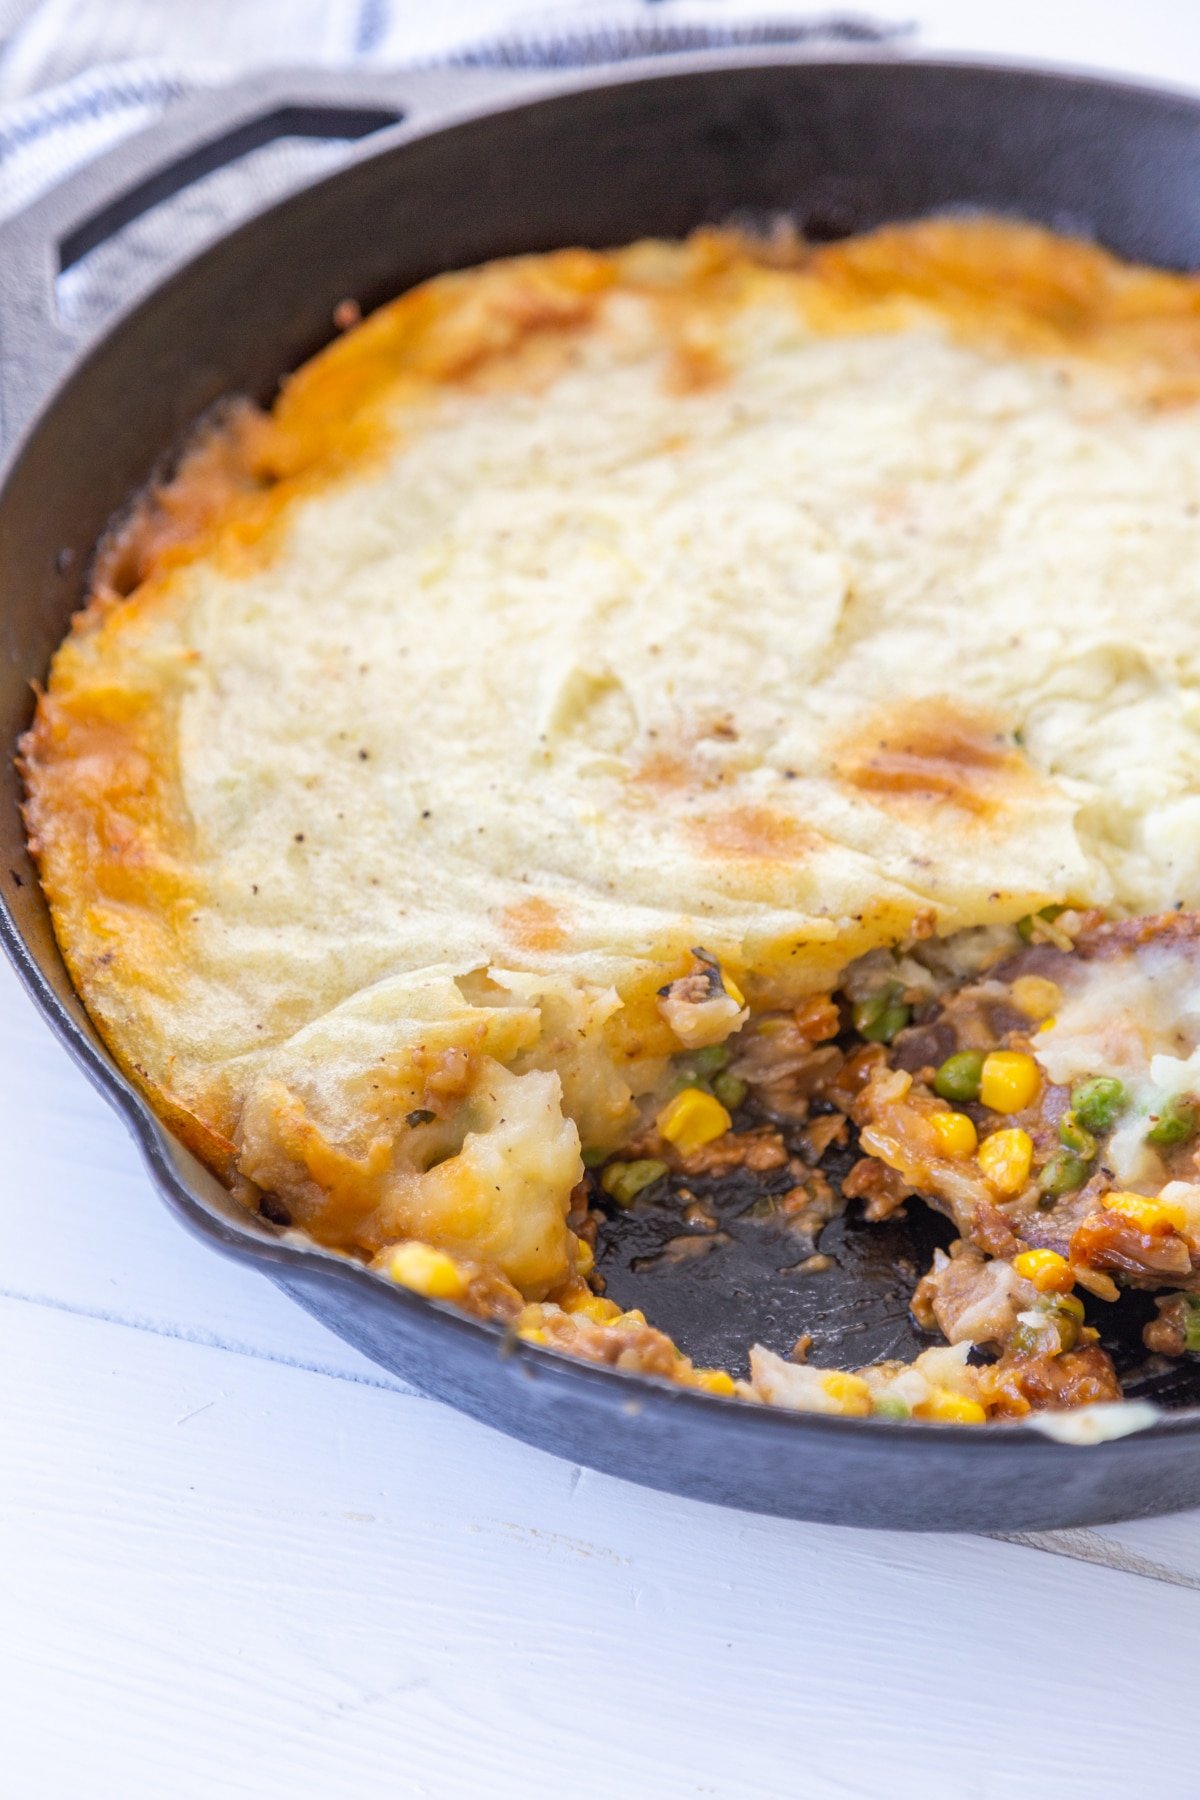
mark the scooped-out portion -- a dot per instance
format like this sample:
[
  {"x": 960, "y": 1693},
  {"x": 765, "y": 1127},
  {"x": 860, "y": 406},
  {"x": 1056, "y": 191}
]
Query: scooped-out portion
[
  {"x": 670, "y": 710},
  {"x": 1040, "y": 1085}
]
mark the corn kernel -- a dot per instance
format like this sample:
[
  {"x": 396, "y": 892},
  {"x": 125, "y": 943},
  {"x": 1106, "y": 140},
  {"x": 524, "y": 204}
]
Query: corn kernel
[
  {"x": 427, "y": 1271},
  {"x": 1144, "y": 1213},
  {"x": 1048, "y": 1024},
  {"x": 593, "y": 1307},
  {"x": 731, "y": 987},
  {"x": 1049, "y": 1272},
  {"x": 692, "y": 1119},
  {"x": 955, "y": 1134},
  {"x": 713, "y": 1381},
  {"x": 635, "y": 1316},
  {"x": 1008, "y": 1081},
  {"x": 585, "y": 1258},
  {"x": 949, "y": 1409},
  {"x": 1006, "y": 1158},
  {"x": 1035, "y": 996},
  {"x": 849, "y": 1391},
  {"x": 532, "y": 1334}
]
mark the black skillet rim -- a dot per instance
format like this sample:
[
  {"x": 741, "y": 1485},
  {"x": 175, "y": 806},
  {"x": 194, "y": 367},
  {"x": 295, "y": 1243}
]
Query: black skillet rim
[{"x": 276, "y": 1255}]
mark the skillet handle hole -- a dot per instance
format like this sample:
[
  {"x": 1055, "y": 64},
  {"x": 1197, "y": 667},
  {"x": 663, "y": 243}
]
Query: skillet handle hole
[{"x": 177, "y": 207}]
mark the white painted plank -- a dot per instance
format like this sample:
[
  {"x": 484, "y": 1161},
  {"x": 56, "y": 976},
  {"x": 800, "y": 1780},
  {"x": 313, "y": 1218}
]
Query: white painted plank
[
  {"x": 82, "y": 1227},
  {"x": 223, "y": 1577},
  {"x": 1169, "y": 1545}
]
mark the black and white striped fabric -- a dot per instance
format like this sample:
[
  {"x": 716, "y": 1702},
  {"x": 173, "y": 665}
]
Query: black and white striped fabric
[{"x": 77, "y": 75}]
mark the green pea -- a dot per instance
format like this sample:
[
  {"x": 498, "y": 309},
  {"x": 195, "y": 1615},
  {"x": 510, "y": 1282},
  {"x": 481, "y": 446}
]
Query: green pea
[
  {"x": 623, "y": 1182},
  {"x": 707, "y": 1062},
  {"x": 1026, "y": 1339},
  {"x": 889, "y": 1406},
  {"x": 883, "y": 1016},
  {"x": 1174, "y": 1124},
  {"x": 1072, "y": 1134},
  {"x": 730, "y": 1090},
  {"x": 958, "y": 1077},
  {"x": 1063, "y": 1174},
  {"x": 1066, "y": 1323},
  {"x": 1191, "y": 1322},
  {"x": 1099, "y": 1103},
  {"x": 1063, "y": 1314},
  {"x": 592, "y": 1159}
]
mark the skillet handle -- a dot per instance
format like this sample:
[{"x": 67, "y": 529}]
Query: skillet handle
[{"x": 199, "y": 135}]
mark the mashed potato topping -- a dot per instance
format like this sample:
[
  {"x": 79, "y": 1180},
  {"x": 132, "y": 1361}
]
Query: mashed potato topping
[{"x": 581, "y": 610}]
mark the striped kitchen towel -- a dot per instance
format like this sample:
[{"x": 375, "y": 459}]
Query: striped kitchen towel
[{"x": 77, "y": 75}]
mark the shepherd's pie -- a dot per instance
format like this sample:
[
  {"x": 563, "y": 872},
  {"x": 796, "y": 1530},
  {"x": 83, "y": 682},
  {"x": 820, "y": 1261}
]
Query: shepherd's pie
[{"x": 637, "y": 711}]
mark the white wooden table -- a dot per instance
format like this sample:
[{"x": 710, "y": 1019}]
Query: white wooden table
[{"x": 236, "y": 1560}]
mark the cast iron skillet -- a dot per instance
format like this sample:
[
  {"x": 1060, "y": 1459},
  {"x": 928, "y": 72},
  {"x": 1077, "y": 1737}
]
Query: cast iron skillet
[{"x": 453, "y": 168}]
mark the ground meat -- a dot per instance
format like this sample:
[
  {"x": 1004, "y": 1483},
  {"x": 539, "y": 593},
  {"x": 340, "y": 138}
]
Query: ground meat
[
  {"x": 992, "y": 1231},
  {"x": 1052, "y": 1228},
  {"x": 1099, "y": 936},
  {"x": 758, "y": 1150},
  {"x": 489, "y": 1295},
  {"x": 698, "y": 1009},
  {"x": 969, "y": 1299},
  {"x": 1166, "y": 1333},
  {"x": 1019, "y": 1384},
  {"x": 578, "y": 1203},
  {"x": 624, "y": 1345},
  {"x": 924, "y": 1046},
  {"x": 786, "y": 1059},
  {"x": 819, "y": 1134},
  {"x": 977, "y": 1016},
  {"x": 818, "y": 1018},
  {"x": 882, "y": 1188},
  {"x": 847, "y": 1082},
  {"x": 807, "y": 1207},
  {"x": 1105, "y": 1240}
]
